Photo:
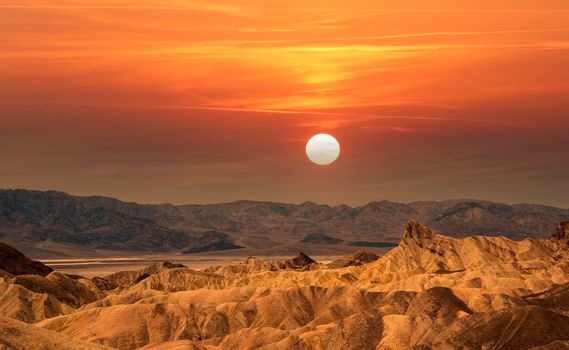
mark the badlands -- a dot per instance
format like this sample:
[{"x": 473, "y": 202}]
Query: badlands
[{"x": 430, "y": 292}]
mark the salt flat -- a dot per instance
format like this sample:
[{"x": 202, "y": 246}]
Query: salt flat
[{"x": 92, "y": 267}]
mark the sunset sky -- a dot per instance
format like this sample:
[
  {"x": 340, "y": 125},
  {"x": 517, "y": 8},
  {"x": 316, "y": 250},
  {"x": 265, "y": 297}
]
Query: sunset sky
[{"x": 211, "y": 101}]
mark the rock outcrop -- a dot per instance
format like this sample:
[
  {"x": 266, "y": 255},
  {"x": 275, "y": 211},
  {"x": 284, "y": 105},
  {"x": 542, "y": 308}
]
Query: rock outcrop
[
  {"x": 562, "y": 233},
  {"x": 255, "y": 265},
  {"x": 128, "y": 278},
  {"x": 16, "y": 263},
  {"x": 357, "y": 258},
  {"x": 31, "y": 291},
  {"x": 418, "y": 232}
]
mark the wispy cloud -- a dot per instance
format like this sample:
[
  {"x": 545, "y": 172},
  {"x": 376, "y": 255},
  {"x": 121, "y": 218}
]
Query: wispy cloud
[{"x": 222, "y": 92}]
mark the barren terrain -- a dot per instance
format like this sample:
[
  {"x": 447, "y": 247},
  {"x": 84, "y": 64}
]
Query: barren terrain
[
  {"x": 55, "y": 225},
  {"x": 430, "y": 292}
]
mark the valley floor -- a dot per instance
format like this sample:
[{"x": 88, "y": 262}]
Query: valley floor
[{"x": 91, "y": 267}]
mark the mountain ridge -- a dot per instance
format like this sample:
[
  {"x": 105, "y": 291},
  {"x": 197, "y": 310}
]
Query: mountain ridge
[{"x": 31, "y": 220}]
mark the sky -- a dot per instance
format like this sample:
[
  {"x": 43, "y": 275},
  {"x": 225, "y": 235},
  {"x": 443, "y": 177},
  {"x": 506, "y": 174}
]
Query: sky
[{"x": 212, "y": 101}]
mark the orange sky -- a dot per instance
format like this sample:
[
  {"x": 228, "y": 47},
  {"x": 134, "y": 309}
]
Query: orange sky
[{"x": 195, "y": 102}]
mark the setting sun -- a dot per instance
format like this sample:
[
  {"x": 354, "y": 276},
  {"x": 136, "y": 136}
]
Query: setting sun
[
  {"x": 170, "y": 86},
  {"x": 262, "y": 174},
  {"x": 322, "y": 149}
]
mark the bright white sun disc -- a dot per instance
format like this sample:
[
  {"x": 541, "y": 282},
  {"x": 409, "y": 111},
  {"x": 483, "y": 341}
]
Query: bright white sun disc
[{"x": 322, "y": 149}]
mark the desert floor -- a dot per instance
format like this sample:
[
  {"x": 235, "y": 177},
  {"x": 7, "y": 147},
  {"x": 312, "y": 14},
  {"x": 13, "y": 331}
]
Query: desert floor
[{"x": 91, "y": 267}]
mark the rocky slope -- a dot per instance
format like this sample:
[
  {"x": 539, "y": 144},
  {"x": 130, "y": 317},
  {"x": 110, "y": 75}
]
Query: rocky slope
[
  {"x": 17, "y": 335},
  {"x": 13, "y": 262},
  {"x": 49, "y": 223},
  {"x": 29, "y": 217},
  {"x": 430, "y": 292}
]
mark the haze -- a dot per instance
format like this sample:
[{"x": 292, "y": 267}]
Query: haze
[{"x": 200, "y": 102}]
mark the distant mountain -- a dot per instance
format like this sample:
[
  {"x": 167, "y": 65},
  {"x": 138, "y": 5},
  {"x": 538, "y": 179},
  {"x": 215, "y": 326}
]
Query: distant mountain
[
  {"x": 32, "y": 219},
  {"x": 29, "y": 217},
  {"x": 320, "y": 238}
]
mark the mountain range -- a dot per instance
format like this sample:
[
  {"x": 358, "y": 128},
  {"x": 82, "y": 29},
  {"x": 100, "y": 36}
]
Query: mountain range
[{"x": 45, "y": 223}]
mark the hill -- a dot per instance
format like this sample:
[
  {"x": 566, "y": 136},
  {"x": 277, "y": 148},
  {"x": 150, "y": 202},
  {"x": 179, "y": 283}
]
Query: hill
[{"x": 430, "y": 292}]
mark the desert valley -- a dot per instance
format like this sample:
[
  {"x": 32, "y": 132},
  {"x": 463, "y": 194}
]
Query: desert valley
[
  {"x": 284, "y": 175},
  {"x": 431, "y": 291}
]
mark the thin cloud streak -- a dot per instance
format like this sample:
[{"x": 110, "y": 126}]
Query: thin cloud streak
[
  {"x": 219, "y": 99},
  {"x": 201, "y": 5}
]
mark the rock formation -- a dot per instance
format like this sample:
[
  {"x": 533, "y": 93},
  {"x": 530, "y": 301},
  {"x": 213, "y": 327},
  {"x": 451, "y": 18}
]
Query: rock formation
[
  {"x": 562, "y": 233},
  {"x": 430, "y": 292},
  {"x": 255, "y": 265},
  {"x": 418, "y": 232},
  {"x": 357, "y": 258},
  {"x": 128, "y": 278},
  {"x": 16, "y": 263}
]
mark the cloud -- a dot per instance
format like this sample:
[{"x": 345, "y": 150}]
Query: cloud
[{"x": 214, "y": 101}]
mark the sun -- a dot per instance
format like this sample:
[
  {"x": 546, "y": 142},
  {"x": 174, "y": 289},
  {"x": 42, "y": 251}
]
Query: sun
[{"x": 323, "y": 149}]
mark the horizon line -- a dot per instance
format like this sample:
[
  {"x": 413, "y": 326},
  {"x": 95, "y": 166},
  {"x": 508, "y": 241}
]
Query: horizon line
[{"x": 464, "y": 199}]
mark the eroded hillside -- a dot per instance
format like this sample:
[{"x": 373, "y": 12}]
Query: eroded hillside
[{"x": 430, "y": 292}]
